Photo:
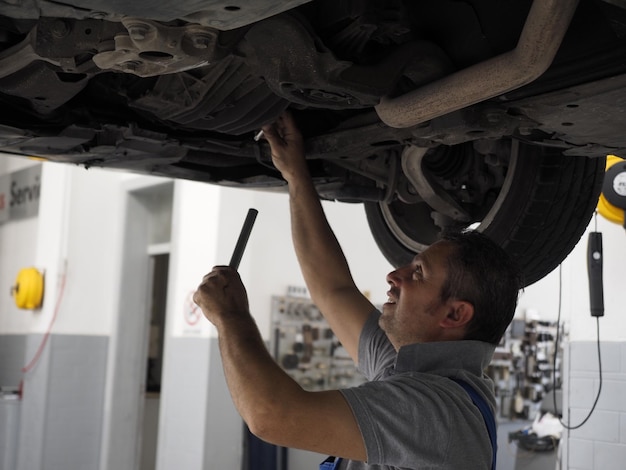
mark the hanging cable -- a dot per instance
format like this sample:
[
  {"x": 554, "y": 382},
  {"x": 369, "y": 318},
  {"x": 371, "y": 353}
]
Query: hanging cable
[
  {"x": 556, "y": 349},
  {"x": 35, "y": 359},
  {"x": 595, "y": 402}
]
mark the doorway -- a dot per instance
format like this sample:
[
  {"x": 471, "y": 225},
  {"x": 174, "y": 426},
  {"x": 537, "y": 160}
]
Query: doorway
[
  {"x": 130, "y": 428},
  {"x": 154, "y": 360}
]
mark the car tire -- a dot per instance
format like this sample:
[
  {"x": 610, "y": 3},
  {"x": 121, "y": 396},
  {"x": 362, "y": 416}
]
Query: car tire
[{"x": 539, "y": 216}]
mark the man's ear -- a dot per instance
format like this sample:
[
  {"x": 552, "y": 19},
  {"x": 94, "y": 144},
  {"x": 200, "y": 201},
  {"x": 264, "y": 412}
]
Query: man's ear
[{"x": 459, "y": 314}]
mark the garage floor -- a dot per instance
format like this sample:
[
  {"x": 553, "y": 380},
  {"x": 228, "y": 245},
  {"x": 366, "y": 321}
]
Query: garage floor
[{"x": 510, "y": 457}]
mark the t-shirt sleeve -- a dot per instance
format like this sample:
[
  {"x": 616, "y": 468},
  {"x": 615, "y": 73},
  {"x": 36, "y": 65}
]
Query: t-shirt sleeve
[
  {"x": 419, "y": 422},
  {"x": 376, "y": 353}
]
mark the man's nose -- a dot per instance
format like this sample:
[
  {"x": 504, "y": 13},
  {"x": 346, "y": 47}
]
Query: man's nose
[
  {"x": 395, "y": 277},
  {"x": 391, "y": 278}
]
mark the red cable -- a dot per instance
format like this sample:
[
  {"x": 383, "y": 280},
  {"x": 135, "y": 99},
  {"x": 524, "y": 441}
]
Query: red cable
[{"x": 34, "y": 360}]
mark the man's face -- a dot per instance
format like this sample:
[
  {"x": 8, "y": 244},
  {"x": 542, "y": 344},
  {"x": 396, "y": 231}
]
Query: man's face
[{"x": 414, "y": 309}]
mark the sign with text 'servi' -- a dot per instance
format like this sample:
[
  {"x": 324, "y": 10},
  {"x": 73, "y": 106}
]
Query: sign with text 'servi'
[{"x": 19, "y": 194}]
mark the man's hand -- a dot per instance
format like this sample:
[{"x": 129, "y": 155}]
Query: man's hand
[
  {"x": 222, "y": 296},
  {"x": 287, "y": 147}
]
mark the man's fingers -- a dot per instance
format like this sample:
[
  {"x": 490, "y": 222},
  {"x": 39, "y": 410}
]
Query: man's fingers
[
  {"x": 286, "y": 121},
  {"x": 196, "y": 297},
  {"x": 218, "y": 276},
  {"x": 273, "y": 138},
  {"x": 283, "y": 128}
]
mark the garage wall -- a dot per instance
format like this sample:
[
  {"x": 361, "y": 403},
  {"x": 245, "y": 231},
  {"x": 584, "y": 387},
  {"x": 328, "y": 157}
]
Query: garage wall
[
  {"x": 63, "y": 390},
  {"x": 78, "y": 210},
  {"x": 12, "y": 343},
  {"x": 18, "y": 241},
  {"x": 601, "y": 442},
  {"x": 194, "y": 398}
]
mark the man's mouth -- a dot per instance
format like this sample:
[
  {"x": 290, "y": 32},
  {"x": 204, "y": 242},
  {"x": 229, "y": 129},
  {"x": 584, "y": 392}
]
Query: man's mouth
[{"x": 391, "y": 299}]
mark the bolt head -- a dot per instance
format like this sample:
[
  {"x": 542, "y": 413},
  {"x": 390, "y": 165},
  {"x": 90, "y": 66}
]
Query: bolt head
[
  {"x": 60, "y": 29},
  {"x": 200, "y": 42}
]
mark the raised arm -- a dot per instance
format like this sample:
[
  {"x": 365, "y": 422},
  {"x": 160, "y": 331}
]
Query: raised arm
[
  {"x": 321, "y": 259},
  {"x": 273, "y": 405}
]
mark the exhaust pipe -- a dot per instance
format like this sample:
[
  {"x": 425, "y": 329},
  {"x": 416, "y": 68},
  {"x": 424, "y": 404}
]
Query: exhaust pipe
[{"x": 539, "y": 42}]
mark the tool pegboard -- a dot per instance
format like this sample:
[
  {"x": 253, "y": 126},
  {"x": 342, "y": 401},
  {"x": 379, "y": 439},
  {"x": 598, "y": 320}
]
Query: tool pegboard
[{"x": 307, "y": 349}]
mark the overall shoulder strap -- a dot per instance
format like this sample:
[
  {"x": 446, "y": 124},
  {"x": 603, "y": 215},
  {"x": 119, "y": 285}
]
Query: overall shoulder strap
[
  {"x": 331, "y": 463},
  {"x": 485, "y": 410}
]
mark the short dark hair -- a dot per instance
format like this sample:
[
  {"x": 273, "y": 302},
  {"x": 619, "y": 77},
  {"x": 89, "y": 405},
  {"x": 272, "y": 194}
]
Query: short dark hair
[{"x": 482, "y": 273}]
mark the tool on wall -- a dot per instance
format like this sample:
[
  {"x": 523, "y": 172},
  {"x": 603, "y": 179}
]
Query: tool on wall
[
  {"x": 307, "y": 349},
  {"x": 28, "y": 289},
  {"x": 612, "y": 202},
  {"x": 243, "y": 238}
]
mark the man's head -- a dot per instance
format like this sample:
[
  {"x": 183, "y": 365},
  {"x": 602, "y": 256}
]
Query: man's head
[
  {"x": 462, "y": 287},
  {"x": 483, "y": 274}
]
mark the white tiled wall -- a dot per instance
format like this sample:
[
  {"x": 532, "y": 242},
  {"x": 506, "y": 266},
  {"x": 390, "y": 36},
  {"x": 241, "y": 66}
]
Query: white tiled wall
[{"x": 600, "y": 444}]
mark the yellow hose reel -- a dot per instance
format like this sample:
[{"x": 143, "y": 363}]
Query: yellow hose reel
[
  {"x": 28, "y": 289},
  {"x": 612, "y": 202}
]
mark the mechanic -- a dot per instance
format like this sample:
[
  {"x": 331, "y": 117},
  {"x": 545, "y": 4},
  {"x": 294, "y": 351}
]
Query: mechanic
[{"x": 445, "y": 313}]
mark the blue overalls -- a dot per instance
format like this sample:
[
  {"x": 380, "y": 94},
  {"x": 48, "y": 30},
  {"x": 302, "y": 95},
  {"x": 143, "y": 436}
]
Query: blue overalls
[
  {"x": 485, "y": 410},
  {"x": 331, "y": 463}
]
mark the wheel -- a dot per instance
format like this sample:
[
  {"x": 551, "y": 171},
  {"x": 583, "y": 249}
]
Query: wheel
[{"x": 541, "y": 210}]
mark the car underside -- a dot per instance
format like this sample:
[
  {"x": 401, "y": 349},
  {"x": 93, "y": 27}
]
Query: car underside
[{"x": 436, "y": 114}]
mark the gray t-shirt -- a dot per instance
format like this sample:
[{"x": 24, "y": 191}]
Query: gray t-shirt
[{"x": 411, "y": 415}]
